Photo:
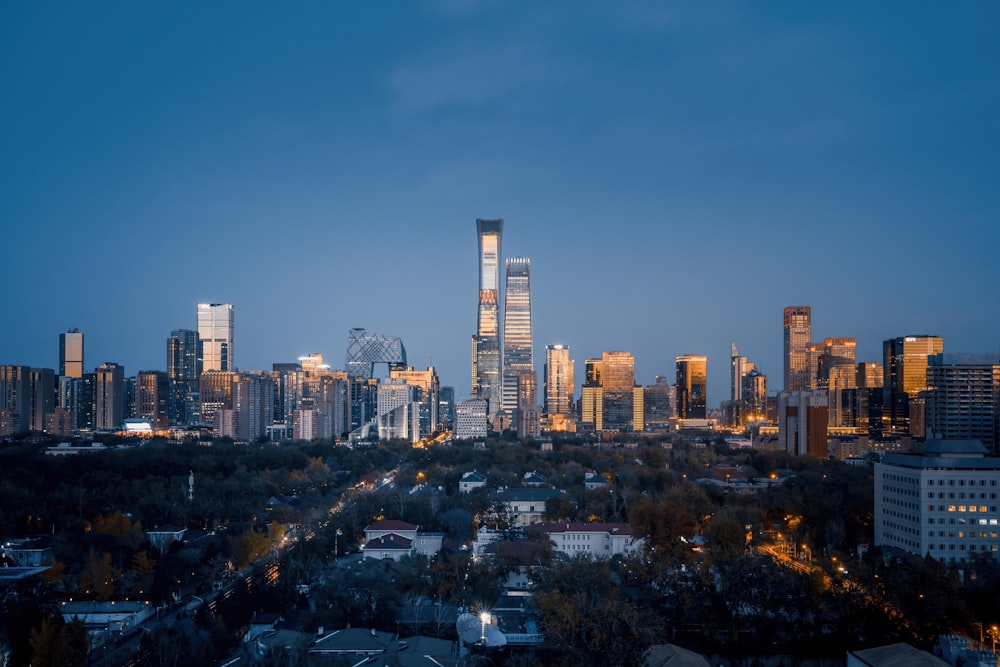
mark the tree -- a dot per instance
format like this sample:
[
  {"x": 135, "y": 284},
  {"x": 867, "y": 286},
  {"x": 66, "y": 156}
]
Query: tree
[{"x": 99, "y": 576}]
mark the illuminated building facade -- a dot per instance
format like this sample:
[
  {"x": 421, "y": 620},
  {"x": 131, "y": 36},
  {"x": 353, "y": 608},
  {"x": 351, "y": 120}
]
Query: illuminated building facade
[
  {"x": 802, "y": 422},
  {"x": 215, "y": 335},
  {"x": 71, "y": 354},
  {"x": 470, "y": 419},
  {"x": 659, "y": 400},
  {"x": 558, "y": 385},
  {"x": 183, "y": 372},
  {"x": 15, "y": 399},
  {"x": 252, "y": 401},
  {"x": 753, "y": 397},
  {"x": 528, "y": 421},
  {"x": 152, "y": 398},
  {"x": 622, "y": 405},
  {"x": 798, "y": 333},
  {"x": 428, "y": 396},
  {"x": 941, "y": 503},
  {"x": 963, "y": 401},
  {"x": 692, "y": 385},
  {"x": 592, "y": 396},
  {"x": 517, "y": 340},
  {"x": 216, "y": 391},
  {"x": 109, "y": 399},
  {"x": 869, "y": 378},
  {"x": 905, "y": 376},
  {"x": 486, "y": 379}
]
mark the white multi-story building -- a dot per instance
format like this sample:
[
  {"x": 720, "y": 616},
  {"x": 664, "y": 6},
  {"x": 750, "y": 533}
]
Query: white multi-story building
[
  {"x": 599, "y": 540},
  {"x": 941, "y": 503},
  {"x": 470, "y": 419}
]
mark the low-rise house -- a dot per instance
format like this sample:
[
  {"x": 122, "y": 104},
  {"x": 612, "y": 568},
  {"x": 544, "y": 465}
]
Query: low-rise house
[
  {"x": 354, "y": 642},
  {"x": 527, "y": 505},
  {"x": 29, "y": 552},
  {"x": 534, "y": 479},
  {"x": 592, "y": 481},
  {"x": 394, "y": 539},
  {"x": 599, "y": 540},
  {"x": 162, "y": 537},
  {"x": 471, "y": 480}
]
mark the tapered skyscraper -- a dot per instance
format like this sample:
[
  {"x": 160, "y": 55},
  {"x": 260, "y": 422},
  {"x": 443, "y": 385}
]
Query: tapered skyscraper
[
  {"x": 215, "y": 334},
  {"x": 798, "y": 331},
  {"x": 517, "y": 347},
  {"x": 486, "y": 342}
]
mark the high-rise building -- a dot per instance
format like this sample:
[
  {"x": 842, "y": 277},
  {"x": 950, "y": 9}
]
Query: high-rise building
[
  {"x": 802, "y": 422},
  {"x": 528, "y": 424},
  {"x": 183, "y": 373},
  {"x": 15, "y": 399},
  {"x": 517, "y": 342},
  {"x": 869, "y": 379},
  {"x": 486, "y": 379},
  {"x": 253, "y": 402},
  {"x": 798, "y": 332},
  {"x": 558, "y": 388},
  {"x": 692, "y": 385},
  {"x": 152, "y": 397},
  {"x": 109, "y": 398},
  {"x": 753, "y": 401},
  {"x": 470, "y": 419},
  {"x": 659, "y": 401},
  {"x": 738, "y": 410},
  {"x": 43, "y": 396},
  {"x": 215, "y": 389},
  {"x": 428, "y": 395},
  {"x": 963, "y": 401},
  {"x": 215, "y": 335},
  {"x": 592, "y": 396},
  {"x": 618, "y": 393},
  {"x": 68, "y": 399},
  {"x": 71, "y": 354},
  {"x": 446, "y": 407},
  {"x": 905, "y": 376}
]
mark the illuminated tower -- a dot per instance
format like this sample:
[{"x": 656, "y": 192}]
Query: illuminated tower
[
  {"x": 183, "y": 373},
  {"x": 486, "y": 378},
  {"x": 619, "y": 393},
  {"x": 109, "y": 401},
  {"x": 71, "y": 354},
  {"x": 152, "y": 399},
  {"x": 517, "y": 345},
  {"x": 905, "y": 373},
  {"x": 215, "y": 333},
  {"x": 798, "y": 331},
  {"x": 558, "y": 387},
  {"x": 692, "y": 374}
]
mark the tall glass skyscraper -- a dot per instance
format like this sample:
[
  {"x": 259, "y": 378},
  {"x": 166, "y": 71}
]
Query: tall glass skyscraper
[
  {"x": 692, "y": 374},
  {"x": 905, "y": 361},
  {"x": 486, "y": 342},
  {"x": 798, "y": 331},
  {"x": 558, "y": 380},
  {"x": 517, "y": 344},
  {"x": 183, "y": 372},
  {"x": 215, "y": 333}
]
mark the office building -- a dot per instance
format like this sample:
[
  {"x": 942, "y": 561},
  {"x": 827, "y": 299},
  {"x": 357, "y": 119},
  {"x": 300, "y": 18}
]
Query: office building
[
  {"x": 486, "y": 379},
  {"x": 528, "y": 414},
  {"x": 15, "y": 399},
  {"x": 215, "y": 336},
  {"x": 941, "y": 503},
  {"x": 397, "y": 411},
  {"x": 109, "y": 397},
  {"x": 798, "y": 333},
  {"x": 659, "y": 401},
  {"x": 963, "y": 398},
  {"x": 558, "y": 385},
  {"x": 802, "y": 422},
  {"x": 470, "y": 419},
  {"x": 592, "y": 396},
  {"x": 869, "y": 378},
  {"x": 43, "y": 396},
  {"x": 446, "y": 407},
  {"x": 152, "y": 398},
  {"x": 753, "y": 397},
  {"x": 427, "y": 396},
  {"x": 252, "y": 401},
  {"x": 905, "y": 376},
  {"x": 517, "y": 340},
  {"x": 692, "y": 385},
  {"x": 621, "y": 401},
  {"x": 215, "y": 389},
  {"x": 68, "y": 399},
  {"x": 183, "y": 373},
  {"x": 71, "y": 354}
]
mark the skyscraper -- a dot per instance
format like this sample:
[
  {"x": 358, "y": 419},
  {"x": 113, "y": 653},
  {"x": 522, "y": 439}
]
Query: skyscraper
[
  {"x": 692, "y": 378},
  {"x": 71, "y": 354},
  {"x": 591, "y": 396},
  {"x": 905, "y": 370},
  {"x": 486, "y": 380},
  {"x": 15, "y": 399},
  {"x": 43, "y": 395},
  {"x": 183, "y": 372},
  {"x": 517, "y": 344},
  {"x": 152, "y": 397},
  {"x": 109, "y": 397},
  {"x": 619, "y": 395},
  {"x": 798, "y": 332},
  {"x": 558, "y": 387},
  {"x": 215, "y": 334},
  {"x": 964, "y": 398}
]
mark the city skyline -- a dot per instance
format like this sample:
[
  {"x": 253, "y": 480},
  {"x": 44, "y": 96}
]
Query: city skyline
[{"x": 744, "y": 158}]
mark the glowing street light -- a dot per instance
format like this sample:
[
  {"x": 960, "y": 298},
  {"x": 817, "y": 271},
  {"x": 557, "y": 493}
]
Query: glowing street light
[{"x": 484, "y": 618}]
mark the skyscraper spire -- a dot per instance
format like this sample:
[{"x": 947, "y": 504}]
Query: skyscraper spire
[{"x": 486, "y": 342}]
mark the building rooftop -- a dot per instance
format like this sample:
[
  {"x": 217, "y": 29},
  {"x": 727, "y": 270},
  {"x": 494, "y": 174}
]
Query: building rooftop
[
  {"x": 391, "y": 524},
  {"x": 895, "y": 655},
  {"x": 580, "y": 527},
  {"x": 390, "y": 541}
]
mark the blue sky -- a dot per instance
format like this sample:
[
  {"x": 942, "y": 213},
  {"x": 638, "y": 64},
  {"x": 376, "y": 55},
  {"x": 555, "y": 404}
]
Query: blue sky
[{"x": 678, "y": 173}]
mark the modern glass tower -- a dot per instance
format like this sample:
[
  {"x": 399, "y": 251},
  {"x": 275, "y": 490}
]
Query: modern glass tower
[
  {"x": 215, "y": 331},
  {"x": 183, "y": 372},
  {"x": 798, "y": 331},
  {"x": 486, "y": 378},
  {"x": 905, "y": 362},
  {"x": 517, "y": 344},
  {"x": 558, "y": 380},
  {"x": 692, "y": 374}
]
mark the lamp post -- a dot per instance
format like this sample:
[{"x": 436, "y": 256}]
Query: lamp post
[
  {"x": 484, "y": 618},
  {"x": 336, "y": 542}
]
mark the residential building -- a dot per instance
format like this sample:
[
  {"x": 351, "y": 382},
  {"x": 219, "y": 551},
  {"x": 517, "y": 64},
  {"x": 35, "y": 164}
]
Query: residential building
[
  {"x": 692, "y": 384},
  {"x": 905, "y": 376},
  {"x": 71, "y": 354},
  {"x": 398, "y": 414},
  {"x": 390, "y": 538},
  {"x": 215, "y": 391},
  {"x": 252, "y": 398},
  {"x": 427, "y": 395},
  {"x": 803, "y": 417},
  {"x": 43, "y": 396},
  {"x": 109, "y": 400},
  {"x": 471, "y": 481},
  {"x": 15, "y": 399},
  {"x": 798, "y": 333},
  {"x": 527, "y": 505},
  {"x": 527, "y": 413},
  {"x": 963, "y": 398},
  {"x": 597, "y": 540},
  {"x": 215, "y": 336},
  {"x": 486, "y": 380},
  {"x": 940, "y": 503}
]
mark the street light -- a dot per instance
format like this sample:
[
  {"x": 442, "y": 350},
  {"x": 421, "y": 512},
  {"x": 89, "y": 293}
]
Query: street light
[
  {"x": 484, "y": 618},
  {"x": 336, "y": 542}
]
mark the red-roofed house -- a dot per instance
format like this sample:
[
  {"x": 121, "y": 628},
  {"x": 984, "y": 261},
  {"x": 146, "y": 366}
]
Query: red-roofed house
[
  {"x": 394, "y": 539},
  {"x": 600, "y": 540}
]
